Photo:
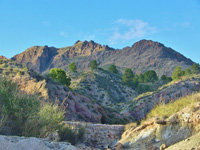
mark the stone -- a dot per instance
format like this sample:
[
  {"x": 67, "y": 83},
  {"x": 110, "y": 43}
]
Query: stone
[
  {"x": 32, "y": 143},
  {"x": 163, "y": 146},
  {"x": 119, "y": 146}
]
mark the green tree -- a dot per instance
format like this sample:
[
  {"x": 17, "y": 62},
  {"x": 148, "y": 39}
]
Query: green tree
[
  {"x": 188, "y": 72},
  {"x": 150, "y": 76},
  {"x": 93, "y": 64},
  {"x": 113, "y": 69},
  {"x": 169, "y": 79},
  {"x": 141, "y": 78},
  {"x": 177, "y": 73},
  {"x": 195, "y": 68},
  {"x": 135, "y": 80},
  {"x": 72, "y": 67},
  {"x": 163, "y": 77},
  {"x": 128, "y": 76},
  {"x": 60, "y": 75}
]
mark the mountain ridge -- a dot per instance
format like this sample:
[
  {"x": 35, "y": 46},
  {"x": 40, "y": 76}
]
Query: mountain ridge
[{"x": 141, "y": 56}]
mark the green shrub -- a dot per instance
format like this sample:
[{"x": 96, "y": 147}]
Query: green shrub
[
  {"x": 22, "y": 114},
  {"x": 15, "y": 107},
  {"x": 3, "y": 65},
  {"x": 72, "y": 134},
  {"x": 15, "y": 69}
]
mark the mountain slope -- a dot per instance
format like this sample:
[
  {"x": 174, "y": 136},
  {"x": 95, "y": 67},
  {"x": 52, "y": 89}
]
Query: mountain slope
[{"x": 142, "y": 56}]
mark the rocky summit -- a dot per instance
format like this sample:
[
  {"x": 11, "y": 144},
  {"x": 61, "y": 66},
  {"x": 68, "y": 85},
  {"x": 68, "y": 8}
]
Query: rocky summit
[{"x": 142, "y": 56}]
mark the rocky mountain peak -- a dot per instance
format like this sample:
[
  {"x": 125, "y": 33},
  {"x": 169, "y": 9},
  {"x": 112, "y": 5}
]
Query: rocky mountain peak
[
  {"x": 3, "y": 57},
  {"x": 146, "y": 44},
  {"x": 86, "y": 48}
]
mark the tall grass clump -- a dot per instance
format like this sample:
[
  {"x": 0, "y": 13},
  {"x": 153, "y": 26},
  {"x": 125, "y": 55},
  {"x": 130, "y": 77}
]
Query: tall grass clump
[
  {"x": 25, "y": 115},
  {"x": 15, "y": 108},
  {"x": 165, "y": 110}
]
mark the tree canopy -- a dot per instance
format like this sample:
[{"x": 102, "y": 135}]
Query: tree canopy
[
  {"x": 150, "y": 76},
  {"x": 113, "y": 69},
  {"x": 60, "y": 75},
  {"x": 72, "y": 66},
  {"x": 128, "y": 76},
  {"x": 93, "y": 64},
  {"x": 188, "y": 72},
  {"x": 177, "y": 73},
  {"x": 195, "y": 68}
]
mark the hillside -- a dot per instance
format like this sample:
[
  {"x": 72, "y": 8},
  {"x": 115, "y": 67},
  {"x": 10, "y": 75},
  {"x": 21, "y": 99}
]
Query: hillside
[
  {"x": 94, "y": 96},
  {"x": 78, "y": 107},
  {"x": 142, "y": 56},
  {"x": 140, "y": 106}
]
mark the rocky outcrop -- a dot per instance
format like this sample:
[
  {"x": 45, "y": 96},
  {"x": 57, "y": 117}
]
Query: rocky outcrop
[
  {"x": 37, "y": 58},
  {"x": 141, "y": 105},
  {"x": 32, "y": 143},
  {"x": 100, "y": 136},
  {"x": 2, "y": 57},
  {"x": 142, "y": 56},
  {"x": 152, "y": 135}
]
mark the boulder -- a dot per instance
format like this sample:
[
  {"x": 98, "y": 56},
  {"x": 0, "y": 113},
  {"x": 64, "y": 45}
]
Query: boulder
[{"x": 32, "y": 143}]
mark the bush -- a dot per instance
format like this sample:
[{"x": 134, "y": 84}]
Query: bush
[
  {"x": 3, "y": 65},
  {"x": 72, "y": 133},
  {"x": 15, "y": 107},
  {"x": 23, "y": 115}
]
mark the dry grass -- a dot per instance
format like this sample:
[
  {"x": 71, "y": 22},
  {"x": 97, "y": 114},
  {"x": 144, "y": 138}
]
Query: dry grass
[
  {"x": 165, "y": 110},
  {"x": 130, "y": 125}
]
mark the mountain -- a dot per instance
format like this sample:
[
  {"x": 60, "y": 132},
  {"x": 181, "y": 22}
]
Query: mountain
[{"x": 142, "y": 56}]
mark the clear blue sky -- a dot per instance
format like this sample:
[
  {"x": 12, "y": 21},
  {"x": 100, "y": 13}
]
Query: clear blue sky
[{"x": 117, "y": 23}]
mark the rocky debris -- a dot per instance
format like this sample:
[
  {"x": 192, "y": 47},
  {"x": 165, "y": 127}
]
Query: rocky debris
[
  {"x": 32, "y": 143},
  {"x": 100, "y": 135}
]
